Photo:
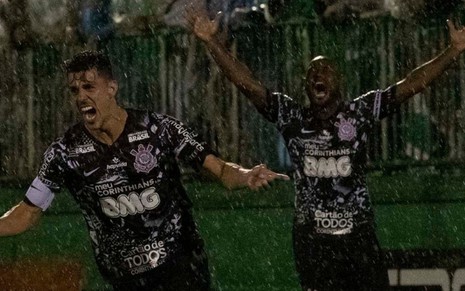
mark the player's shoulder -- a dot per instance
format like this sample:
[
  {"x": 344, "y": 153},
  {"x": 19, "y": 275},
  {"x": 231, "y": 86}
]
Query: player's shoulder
[
  {"x": 363, "y": 101},
  {"x": 365, "y": 96},
  {"x": 72, "y": 135},
  {"x": 164, "y": 119},
  {"x": 280, "y": 95},
  {"x": 388, "y": 92},
  {"x": 146, "y": 118},
  {"x": 75, "y": 134},
  {"x": 154, "y": 120},
  {"x": 138, "y": 116},
  {"x": 284, "y": 103},
  {"x": 63, "y": 143}
]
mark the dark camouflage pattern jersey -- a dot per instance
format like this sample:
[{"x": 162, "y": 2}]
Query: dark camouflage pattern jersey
[
  {"x": 130, "y": 193},
  {"x": 329, "y": 158}
]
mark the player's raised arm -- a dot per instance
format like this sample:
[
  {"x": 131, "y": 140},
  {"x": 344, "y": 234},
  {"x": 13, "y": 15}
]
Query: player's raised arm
[
  {"x": 421, "y": 77},
  {"x": 236, "y": 71},
  {"x": 19, "y": 219},
  {"x": 234, "y": 176}
]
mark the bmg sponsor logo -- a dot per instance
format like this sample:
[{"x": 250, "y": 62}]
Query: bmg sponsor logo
[
  {"x": 130, "y": 204},
  {"x": 327, "y": 167}
]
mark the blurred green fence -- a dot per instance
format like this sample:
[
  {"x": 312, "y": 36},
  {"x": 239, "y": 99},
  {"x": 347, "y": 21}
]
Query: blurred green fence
[{"x": 170, "y": 72}]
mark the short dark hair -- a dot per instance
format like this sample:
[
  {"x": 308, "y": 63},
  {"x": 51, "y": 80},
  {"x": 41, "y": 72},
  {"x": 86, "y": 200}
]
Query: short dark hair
[{"x": 87, "y": 60}]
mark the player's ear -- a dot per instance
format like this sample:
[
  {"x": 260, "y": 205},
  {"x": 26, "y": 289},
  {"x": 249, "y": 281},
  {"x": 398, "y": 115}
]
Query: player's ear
[{"x": 112, "y": 87}]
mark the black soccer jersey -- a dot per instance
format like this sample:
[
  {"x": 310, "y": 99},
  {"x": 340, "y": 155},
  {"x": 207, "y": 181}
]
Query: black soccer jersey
[
  {"x": 130, "y": 193},
  {"x": 329, "y": 158}
]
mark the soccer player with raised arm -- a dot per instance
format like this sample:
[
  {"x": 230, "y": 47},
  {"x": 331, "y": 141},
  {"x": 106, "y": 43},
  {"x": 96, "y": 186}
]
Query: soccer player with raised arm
[
  {"x": 121, "y": 167},
  {"x": 335, "y": 245}
]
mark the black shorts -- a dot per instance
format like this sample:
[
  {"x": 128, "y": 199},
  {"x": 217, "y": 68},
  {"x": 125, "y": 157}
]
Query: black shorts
[
  {"x": 339, "y": 262},
  {"x": 189, "y": 273}
]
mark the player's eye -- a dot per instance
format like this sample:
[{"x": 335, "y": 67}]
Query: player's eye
[
  {"x": 87, "y": 87},
  {"x": 73, "y": 90}
]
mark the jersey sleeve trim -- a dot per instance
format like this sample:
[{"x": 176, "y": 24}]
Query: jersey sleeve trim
[
  {"x": 39, "y": 194},
  {"x": 377, "y": 104}
]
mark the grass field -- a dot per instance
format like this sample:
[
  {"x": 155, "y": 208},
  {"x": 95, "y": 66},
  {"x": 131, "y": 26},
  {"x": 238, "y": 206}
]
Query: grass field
[{"x": 248, "y": 234}]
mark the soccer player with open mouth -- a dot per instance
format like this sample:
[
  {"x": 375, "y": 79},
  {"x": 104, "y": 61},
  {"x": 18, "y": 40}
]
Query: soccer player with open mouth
[
  {"x": 335, "y": 244},
  {"x": 122, "y": 168}
]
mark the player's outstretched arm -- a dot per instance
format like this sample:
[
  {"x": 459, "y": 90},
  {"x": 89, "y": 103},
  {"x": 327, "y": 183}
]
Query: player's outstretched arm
[
  {"x": 19, "y": 219},
  {"x": 421, "y": 77},
  {"x": 236, "y": 71},
  {"x": 234, "y": 176}
]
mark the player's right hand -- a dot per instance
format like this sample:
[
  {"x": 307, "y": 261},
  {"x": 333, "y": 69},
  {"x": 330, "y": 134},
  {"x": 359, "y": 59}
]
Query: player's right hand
[
  {"x": 260, "y": 176},
  {"x": 201, "y": 25}
]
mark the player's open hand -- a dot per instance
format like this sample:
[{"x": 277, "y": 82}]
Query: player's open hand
[
  {"x": 260, "y": 176},
  {"x": 201, "y": 25},
  {"x": 457, "y": 36}
]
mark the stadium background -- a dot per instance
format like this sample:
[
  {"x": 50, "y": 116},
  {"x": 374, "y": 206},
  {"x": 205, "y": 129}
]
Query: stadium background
[{"x": 415, "y": 158}]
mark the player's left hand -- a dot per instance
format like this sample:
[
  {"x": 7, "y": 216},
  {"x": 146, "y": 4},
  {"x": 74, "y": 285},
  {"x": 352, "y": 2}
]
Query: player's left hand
[
  {"x": 457, "y": 36},
  {"x": 260, "y": 176}
]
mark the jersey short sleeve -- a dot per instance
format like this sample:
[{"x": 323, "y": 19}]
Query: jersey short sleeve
[
  {"x": 52, "y": 170},
  {"x": 186, "y": 143},
  {"x": 49, "y": 178},
  {"x": 281, "y": 109},
  {"x": 377, "y": 104}
]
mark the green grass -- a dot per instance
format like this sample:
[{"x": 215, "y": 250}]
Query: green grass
[
  {"x": 248, "y": 249},
  {"x": 248, "y": 234}
]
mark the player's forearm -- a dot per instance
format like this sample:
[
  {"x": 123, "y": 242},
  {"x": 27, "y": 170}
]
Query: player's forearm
[
  {"x": 18, "y": 219},
  {"x": 234, "y": 176},
  {"x": 7, "y": 228},
  {"x": 7, "y": 225},
  {"x": 238, "y": 73},
  {"x": 231, "y": 175},
  {"x": 421, "y": 77}
]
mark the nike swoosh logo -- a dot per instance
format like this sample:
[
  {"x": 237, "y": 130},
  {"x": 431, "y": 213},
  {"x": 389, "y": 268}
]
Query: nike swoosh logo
[{"x": 87, "y": 174}]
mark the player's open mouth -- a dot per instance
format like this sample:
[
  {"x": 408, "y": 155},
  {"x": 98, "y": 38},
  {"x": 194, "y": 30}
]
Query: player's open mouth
[
  {"x": 88, "y": 113},
  {"x": 320, "y": 90}
]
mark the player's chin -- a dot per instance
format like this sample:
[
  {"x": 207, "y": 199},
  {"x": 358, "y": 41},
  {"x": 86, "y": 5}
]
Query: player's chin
[
  {"x": 94, "y": 124},
  {"x": 91, "y": 120},
  {"x": 321, "y": 101}
]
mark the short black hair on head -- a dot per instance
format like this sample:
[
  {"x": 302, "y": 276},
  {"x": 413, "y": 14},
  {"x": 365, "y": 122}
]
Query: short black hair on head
[
  {"x": 88, "y": 60},
  {"x": 321, "y": 58}
]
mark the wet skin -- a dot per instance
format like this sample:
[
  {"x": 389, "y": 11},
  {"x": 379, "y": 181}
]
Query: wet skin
[
  {"x": 95, "y": 100},
  {"x": 323, "y": 87}
]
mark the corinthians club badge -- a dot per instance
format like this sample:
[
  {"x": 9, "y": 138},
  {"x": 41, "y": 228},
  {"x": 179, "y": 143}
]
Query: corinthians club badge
[
  {"x": 347, "y": 130},
  {"x": 145, "y": 161}
]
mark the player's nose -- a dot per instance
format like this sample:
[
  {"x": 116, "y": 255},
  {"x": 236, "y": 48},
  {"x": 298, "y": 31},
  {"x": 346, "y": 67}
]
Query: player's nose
[{"x": 81, "y": 95}]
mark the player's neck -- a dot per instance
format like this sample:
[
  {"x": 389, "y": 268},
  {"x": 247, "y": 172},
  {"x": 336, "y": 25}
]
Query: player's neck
[
  {"x": 112, "y": 127},
  {"x": 326, "y": 111}
]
